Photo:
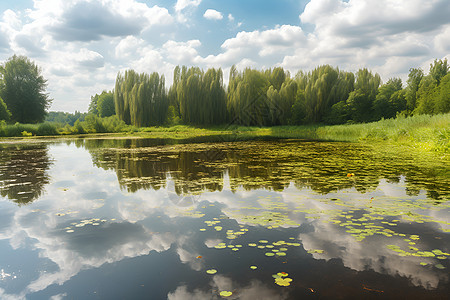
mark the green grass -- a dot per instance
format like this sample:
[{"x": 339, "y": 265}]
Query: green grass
[
  {"x": 429, "y": 133},
  {"x": 421, "y": 131}
]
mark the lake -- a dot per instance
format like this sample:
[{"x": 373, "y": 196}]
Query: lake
[{"x": 222, "y": 218}]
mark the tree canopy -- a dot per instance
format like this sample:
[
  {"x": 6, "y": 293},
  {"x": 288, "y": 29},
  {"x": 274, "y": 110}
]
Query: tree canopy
[
  {"x": 23, "y": 90},
  {"x": 5, "y": 115}
]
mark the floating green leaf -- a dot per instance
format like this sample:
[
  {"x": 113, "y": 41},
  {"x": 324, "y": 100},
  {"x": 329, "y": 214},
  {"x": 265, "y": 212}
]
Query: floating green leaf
[
  {"x": 283, "y": 281},
  {"x": 226, "y": 293}
]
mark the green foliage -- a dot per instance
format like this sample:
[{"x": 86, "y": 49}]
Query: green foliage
[
  {"x": 46, "y": 129},
  {"x": 414, "y": 78},
  {"x": 339, "y": 113},
  {"x": 438, "y": 69},
  {"x": 78, "y": 127},
  {"x": 10, "y": 130},
  {"x": 140, "y": 99},
  {"x": 102, "y": 105},
  {"x": 426, "y": 96},
  {"x": 360, "y": 101},
  {"x": 22, "y": 88},
  {"x": 63, "y": 118},
  {"x": 93, "y": 105},
  {"x": 386, "y": 105},
  {"x": 197, "y": 97},
  {"x": 442, "y": 104},
  {"x": 105, "y": 104},
  {"x": 4, "y": 112}
]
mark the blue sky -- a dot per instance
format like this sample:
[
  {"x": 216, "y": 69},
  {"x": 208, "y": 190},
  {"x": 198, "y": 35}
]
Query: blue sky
[{"x": 82, "y": 44}]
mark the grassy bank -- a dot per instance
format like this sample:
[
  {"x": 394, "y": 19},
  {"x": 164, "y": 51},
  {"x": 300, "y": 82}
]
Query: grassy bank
[
  {"x": 430, "y": 133},
  {"x": 422, "y": 131}
]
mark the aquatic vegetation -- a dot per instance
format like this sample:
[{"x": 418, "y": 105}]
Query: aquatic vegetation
[
  {"x": 281, "y": 279},
  {"x": 226, "y": 293},
  {"x": 254, "y": 208}
]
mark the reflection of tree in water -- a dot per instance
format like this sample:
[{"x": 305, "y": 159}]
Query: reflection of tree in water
[
  {"x": 23, "y": 172},
  {"x": 323, "y": 167}
]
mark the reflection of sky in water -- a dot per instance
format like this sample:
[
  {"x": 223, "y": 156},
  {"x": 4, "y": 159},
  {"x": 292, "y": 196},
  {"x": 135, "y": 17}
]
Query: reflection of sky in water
[{"x": 149, "y": 241}]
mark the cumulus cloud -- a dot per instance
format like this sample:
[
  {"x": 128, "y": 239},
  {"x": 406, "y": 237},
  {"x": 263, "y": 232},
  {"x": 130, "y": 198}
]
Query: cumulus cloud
[
  {"x": 442, "y": 40},
  {"x": 212, "y": 14},
  {"x": 128, "y": 46},
  {"x": 90, "y": 59},
  {"x": 270, "y": 46},
  {"x": 182, "y": 4},
  {"x": 182, "y": 52},
  {"x": 88, "y": 21},
  {"x": 31, "y": 44},
  {"x": 386, "y": 36},
  {"x": 4, "y": 42},
  {"x": 352, "y": 18}
]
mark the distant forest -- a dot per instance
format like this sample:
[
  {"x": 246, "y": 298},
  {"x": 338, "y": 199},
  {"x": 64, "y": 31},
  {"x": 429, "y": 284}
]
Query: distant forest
[{"x": 270, "y": 97}]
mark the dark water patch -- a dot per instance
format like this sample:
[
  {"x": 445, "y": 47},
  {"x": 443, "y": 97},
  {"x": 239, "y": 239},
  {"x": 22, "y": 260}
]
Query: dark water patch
[{"x": 285, "y": 219}]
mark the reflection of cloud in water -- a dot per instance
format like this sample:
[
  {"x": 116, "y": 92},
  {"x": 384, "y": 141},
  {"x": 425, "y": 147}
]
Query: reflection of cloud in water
[
  {"x": 255, "y": 290},
  {"x": 370, "y": 254},
  {"x": 88, "y": 247},
  {"x": 111, "y": 242},
  {"x": 190, "y": 257}
]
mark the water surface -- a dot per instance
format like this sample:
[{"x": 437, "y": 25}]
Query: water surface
[{"x": 276, "y": 219}]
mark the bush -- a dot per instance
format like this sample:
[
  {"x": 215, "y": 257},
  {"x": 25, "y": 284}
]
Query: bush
[{"x": 47, "y": 129}]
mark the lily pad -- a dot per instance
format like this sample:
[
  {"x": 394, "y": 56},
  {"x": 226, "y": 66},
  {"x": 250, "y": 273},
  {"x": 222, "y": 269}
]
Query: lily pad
[
  {"x": 226, "y": 293},
  {"x": 283, "y": 281}
]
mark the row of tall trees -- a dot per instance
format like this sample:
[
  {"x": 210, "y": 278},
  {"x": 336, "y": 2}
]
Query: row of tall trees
[
  {"x": 197, "y": 97},
  {"x": 272, "y": 97},
  {"x": 141, "y": 99}
]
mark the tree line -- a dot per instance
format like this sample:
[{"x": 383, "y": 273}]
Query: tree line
[
  {"x": 252, "y": 97},
  {"x": 273, "y": 97}
]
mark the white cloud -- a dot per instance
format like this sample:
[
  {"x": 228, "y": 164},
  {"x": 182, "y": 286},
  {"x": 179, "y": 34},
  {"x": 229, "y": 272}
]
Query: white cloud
[
  {"x": 128, "y": 46},
  {"x": 88, "y": 21},
  {"x": 387, "y": 36},
  {"x": 212, "y": 14},
  {"x": 182, "y": 52},
  {"x": 259, "y": 48},
  {"x": 442, "y": 40},
  {"x": 182, "y": 4},
  {"x": 89, "y": 59}
]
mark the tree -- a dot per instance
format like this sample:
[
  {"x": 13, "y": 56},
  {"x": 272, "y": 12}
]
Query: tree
[
  {"x": 93, "y": 105},
  {"x": 360, "y": 101},
  {"x": 426, "y": 96},
  {"x": 4, "y": 112},
  {"x": 23, "y": 89},
  {"x": 140, "y": 99},
  {"x": 443, "y": 100},
  {"x": 383, "y": 105},
  {"x": 105, "y": 104},
  {"x": 438, "y": 69},
  {"x": 247, "y": 98},
  {"x": 414, "y": 78}
]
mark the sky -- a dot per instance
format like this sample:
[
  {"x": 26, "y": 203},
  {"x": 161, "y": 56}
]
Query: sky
[{"x": 81, "y": 45}]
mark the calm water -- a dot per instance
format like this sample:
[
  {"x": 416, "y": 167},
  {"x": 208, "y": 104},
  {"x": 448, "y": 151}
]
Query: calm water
[{"x": 280, "y": 219}]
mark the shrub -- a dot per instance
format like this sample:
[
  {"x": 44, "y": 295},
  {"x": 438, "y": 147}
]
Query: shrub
[{"x": 47, "y": 129}]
